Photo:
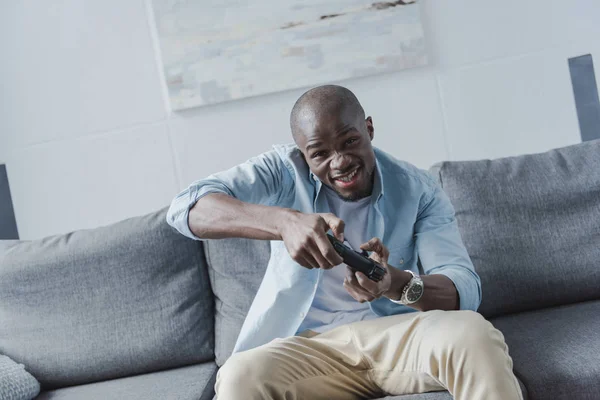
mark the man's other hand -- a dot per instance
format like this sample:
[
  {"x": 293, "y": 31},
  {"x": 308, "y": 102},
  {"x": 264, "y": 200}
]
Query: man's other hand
[
  {"x": 305, "y": 237},
  {"x": 359, "y": 285}
]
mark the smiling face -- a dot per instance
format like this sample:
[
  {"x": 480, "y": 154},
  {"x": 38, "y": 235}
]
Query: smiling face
[{"x": 335, "y": 139}]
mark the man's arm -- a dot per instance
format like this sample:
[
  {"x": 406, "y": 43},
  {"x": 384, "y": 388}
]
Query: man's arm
[
  {"x": 450, "y": 281},
  {"x": 218, "y": 216},
  {"x": 262, "y": 180},
  {"x": 440, "y": 292},
  {"x": 244, "y": 201}
]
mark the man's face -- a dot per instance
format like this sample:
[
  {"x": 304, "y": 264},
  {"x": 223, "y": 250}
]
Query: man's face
[{"x": 338, "y": 150}]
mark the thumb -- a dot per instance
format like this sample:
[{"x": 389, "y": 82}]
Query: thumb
[
  {"x": 372, "y": 245},
  {"x": 376, "y": 246},
  {"x": 335, "y": 224}
]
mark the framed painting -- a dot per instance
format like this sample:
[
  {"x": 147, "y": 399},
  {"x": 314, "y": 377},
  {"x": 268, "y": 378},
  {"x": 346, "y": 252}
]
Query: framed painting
[{"x": 219, "y": 50}]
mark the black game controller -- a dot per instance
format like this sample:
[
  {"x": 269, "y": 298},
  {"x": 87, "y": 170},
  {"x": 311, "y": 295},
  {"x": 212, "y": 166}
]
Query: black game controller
[{"x": 358, "y": 261}]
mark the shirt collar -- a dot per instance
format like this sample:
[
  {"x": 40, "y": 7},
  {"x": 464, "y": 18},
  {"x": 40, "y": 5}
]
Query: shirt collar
[{"x": 378, "y": 188}]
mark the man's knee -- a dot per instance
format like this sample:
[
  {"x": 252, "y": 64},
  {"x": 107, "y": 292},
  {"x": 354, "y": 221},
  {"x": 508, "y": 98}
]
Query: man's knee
[
  {"x": 467, "y": 329},
  {"x": 239, "y": 370},
  {"x": 247, "y": 372}
]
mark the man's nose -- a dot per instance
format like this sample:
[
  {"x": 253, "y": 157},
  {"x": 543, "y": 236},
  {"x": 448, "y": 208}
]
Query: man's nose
[{"x": 340, "y": 161}]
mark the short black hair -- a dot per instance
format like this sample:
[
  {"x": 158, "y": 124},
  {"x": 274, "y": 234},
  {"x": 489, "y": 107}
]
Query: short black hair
[{"x": 320, "y": 101}]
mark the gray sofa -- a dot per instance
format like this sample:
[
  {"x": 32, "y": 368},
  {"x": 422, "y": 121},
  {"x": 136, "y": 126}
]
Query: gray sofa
[{"x": 136, "y": 311}]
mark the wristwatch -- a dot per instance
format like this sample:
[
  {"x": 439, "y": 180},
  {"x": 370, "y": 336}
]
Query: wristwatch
[{"x": 412, "y": 291}]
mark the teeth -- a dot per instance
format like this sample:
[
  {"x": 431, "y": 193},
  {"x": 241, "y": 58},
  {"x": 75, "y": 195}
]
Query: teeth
[{"x": 348, "y": 177}]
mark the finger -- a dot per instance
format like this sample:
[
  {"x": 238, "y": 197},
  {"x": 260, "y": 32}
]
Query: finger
[
  {"x": 298, "y": 257},
  {"x": 302, "y": 261},
  {"x": 316, "y": 253},
  {"x": 350, "y": 275},
  {"x": 356, "y": 294},
  {"x": 363, "y": 284},
  {"x": 353, "y": 293},
  {"x": 336, "y": 225},
  {"x": 352, "y": 280},
  {"x": 309, "y": 260},
  {"x": 376, "y": 245},
  {"x": 327, "y": 252},
  {"x": 367, "y": 284}
]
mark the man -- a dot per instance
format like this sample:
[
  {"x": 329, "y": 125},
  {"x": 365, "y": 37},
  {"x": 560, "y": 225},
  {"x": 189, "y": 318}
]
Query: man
[{"x": 317, "y": 329}]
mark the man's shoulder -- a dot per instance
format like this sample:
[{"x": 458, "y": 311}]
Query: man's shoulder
[
  {"x": 286, "y": 149},
  {"x": 403, "y": 173},
  {"x": 280, "y": 153},
  {"x": 289, "y": 153},
  {"x": 289, "y": 156}
]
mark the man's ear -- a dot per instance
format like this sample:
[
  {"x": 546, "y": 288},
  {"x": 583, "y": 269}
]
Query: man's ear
[{"x": 370, "y": 128}]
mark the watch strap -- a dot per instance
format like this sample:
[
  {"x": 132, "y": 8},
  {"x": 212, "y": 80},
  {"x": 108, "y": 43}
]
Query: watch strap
[{"x": 410, "y": 283}]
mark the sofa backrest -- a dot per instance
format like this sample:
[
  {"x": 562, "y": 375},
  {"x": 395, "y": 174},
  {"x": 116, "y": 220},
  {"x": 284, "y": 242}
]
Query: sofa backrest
[
  {"x": 125, "y": 299},
  {"x": 531, "y": 225},
  {"x": 236, "y": 268}
]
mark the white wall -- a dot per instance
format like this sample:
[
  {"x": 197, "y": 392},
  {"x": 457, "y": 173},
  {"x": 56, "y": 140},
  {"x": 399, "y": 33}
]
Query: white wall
[{"x": 88, "y": 141}]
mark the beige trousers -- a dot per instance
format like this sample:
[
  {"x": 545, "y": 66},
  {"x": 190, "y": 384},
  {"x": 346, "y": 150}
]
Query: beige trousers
[{"x": 458, "y": 351}]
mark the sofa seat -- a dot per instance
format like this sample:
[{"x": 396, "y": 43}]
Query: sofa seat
[
  {"x": 556, "y": 351},
  {"x": 186, "y": 383},
  {"x": 425, "y": 396},
  {"x": 444, "y": 395}
]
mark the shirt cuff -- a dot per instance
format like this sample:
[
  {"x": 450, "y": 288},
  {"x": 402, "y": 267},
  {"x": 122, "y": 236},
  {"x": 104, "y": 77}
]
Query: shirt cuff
[
  {"x": 179, "y": 211},
  {"x": 468, "y": 288}
]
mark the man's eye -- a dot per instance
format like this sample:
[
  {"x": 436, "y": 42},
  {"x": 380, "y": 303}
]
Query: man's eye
[
  {"x": 350, "y": 141},
  {"x": 318, "y": 154}
]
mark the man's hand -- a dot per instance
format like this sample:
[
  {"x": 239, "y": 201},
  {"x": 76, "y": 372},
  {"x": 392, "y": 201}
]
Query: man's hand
[
  {"x": 305, "y": 237},
  {"x": 362, "y": 288},
  {"x": 359, "y": 285}
]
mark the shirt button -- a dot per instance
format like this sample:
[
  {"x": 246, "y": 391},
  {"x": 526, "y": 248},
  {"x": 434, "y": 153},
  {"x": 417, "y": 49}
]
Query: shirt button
[
  {"x": 302, "y": 315},
  {"x": 402, "y": 261}
]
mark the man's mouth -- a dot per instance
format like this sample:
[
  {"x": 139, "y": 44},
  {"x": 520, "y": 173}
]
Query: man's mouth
[{"x": 347, "y": 179}]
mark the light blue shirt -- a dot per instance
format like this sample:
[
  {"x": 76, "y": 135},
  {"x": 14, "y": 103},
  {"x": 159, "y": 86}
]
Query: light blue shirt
[
  {"x": 410, "y": 213},
  {"x": 332, "y": 305}
]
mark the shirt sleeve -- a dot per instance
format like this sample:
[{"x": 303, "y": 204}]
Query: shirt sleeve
[
  {"x": 441, "y": 249},
  {"x": 260, "y": 180}
]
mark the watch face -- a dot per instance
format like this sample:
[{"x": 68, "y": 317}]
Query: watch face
[{"x": 414, "y": 293}]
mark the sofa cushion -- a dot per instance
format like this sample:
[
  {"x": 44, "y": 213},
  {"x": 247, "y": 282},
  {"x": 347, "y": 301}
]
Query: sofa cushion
[
  {"x": 442, "y": 395},
  {"x": 556, "y": 351},
  {"x": 5, "y": 244},
  {"x": 531, "y": 225},
  {"x": 424, "y": 396},
  {"x": 236, "y": 268},
  {"x": 195, "y": 382},
  {"x": 129, "y": 298},
  {"x": 15, "y": 382}
]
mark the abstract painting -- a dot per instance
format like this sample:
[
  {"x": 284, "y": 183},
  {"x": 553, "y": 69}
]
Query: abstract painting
[{"x": 219, "y": 50}]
